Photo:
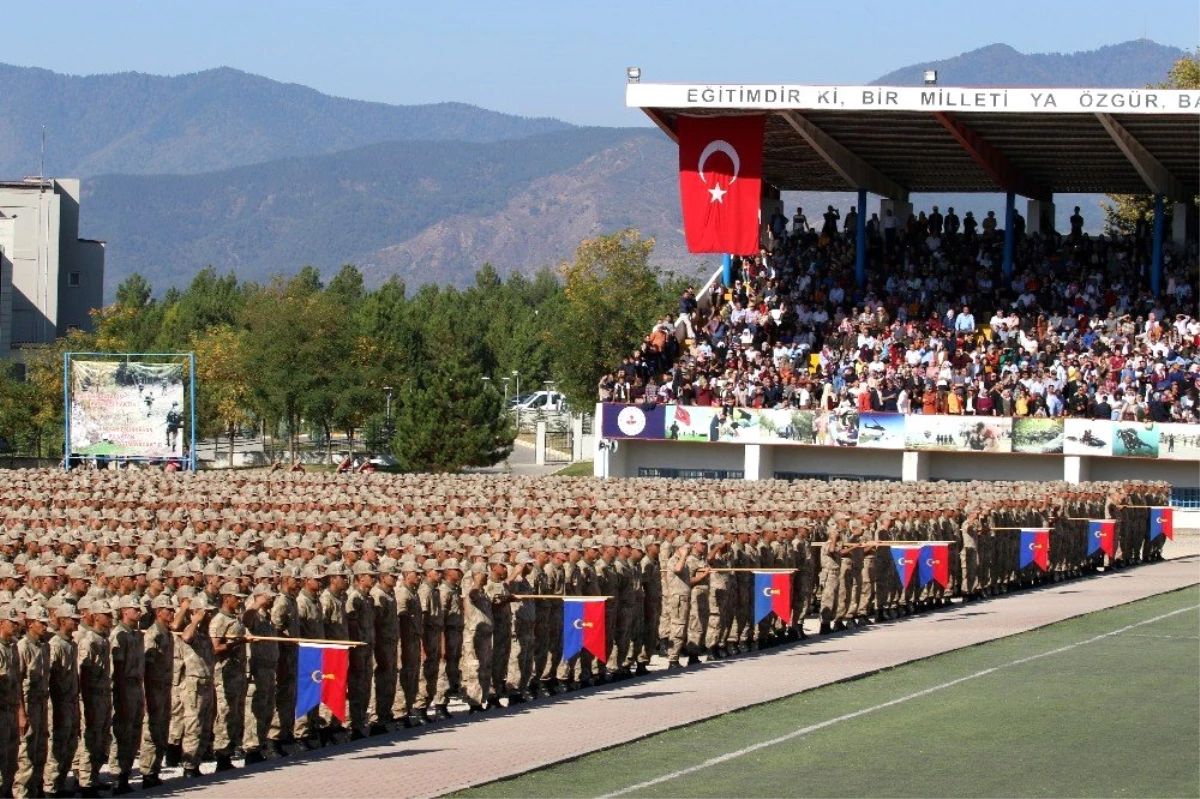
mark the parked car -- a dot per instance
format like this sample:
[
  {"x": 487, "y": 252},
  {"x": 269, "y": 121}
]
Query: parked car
[{"x": 541, "y": 401}]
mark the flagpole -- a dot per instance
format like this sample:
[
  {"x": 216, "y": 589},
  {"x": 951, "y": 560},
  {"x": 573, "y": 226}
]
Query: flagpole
[
  {"x": 882, "y": 543},
  {"x": 758, "y": 571},
  {"x": 280, "y": 639},
  {"x": 1088, "y": 519},
  {"x": 1141, "y": 506},
  {"x": 557, "y": 596},
  {"x": 1013, "y": 529}
]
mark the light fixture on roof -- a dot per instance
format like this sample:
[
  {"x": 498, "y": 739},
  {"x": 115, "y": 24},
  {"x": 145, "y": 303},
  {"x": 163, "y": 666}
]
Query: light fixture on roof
[
  {"x": 931, "y": 77},
  {"x": 634, "y": 74}
]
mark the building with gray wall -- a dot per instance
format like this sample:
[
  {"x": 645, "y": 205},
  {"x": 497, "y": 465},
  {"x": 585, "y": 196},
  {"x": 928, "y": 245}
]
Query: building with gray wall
[{"x": 50, "y": 279}]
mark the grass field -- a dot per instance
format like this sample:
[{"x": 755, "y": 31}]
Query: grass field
[
  {"x": 1104, "y": 705},
  {"x": 577, "y": 469}
]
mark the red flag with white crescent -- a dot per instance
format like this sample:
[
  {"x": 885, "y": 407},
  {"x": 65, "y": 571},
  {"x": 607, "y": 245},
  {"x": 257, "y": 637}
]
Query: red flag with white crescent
[{"x": 720, "y": 182}]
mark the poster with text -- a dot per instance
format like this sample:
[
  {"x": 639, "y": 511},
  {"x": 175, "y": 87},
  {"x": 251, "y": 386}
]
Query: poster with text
[{"x": 125, "y": 409}]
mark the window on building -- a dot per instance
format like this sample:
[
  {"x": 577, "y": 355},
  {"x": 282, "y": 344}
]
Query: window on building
[{"x": 73, "y": 279}]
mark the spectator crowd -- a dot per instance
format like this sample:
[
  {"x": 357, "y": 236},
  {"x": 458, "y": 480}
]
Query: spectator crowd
[{"x": 936, "y": 328}]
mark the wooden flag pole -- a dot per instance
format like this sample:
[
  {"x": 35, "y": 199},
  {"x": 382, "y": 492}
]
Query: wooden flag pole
[
  {"x": 760, "y": 571},
  {"x": 250, "y": 638},
  {"x": 883, "y": 543},
  {"x": 1013, "y": 529},
  {"x": 1147, "y": 507},
  {"x": 1088, "y": 519},
  {"x": 557, "y": 596}
]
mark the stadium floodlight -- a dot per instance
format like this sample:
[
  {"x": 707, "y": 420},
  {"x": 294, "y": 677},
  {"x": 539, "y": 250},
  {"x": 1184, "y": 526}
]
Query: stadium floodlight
[
  {"x": 931, "y": 77},
  {"x": 634, "y": 74}
]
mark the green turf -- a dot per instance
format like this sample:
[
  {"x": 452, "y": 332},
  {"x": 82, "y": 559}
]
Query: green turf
[
  {"x": 1114, "y": 717},
  {"x": 577, "y": 469}
]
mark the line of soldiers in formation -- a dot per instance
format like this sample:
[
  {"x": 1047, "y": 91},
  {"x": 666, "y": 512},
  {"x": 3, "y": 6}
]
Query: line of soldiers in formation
[{"x": 137, "y": 610}]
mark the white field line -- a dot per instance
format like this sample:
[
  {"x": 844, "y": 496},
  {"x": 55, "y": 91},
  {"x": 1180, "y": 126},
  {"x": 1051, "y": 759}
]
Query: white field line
[{"x": 725, "y": 758}]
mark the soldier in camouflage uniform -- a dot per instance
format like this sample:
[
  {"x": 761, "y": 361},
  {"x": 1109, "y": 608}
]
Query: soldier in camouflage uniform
[
  {"x": 129, "y": 699},
  {"x": 158, "y": 646}
]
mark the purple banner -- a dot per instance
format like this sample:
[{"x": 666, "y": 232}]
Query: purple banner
[{"x": 634, "y": 421}]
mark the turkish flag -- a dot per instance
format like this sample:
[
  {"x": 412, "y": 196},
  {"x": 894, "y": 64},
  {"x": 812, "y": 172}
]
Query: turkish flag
[{"x": 720, "y": 182}]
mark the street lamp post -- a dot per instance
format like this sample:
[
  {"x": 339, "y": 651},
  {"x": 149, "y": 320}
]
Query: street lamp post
[
  {"x": 387, "y": 416},
  {"x": 517, "y": 410}
]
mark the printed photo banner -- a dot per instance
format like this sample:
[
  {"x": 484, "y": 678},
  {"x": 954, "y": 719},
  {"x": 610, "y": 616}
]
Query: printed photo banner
[
  {"x": 958, "y": 433},
  {"x": 892, "y": 431},
  {"x": 119, "y": 408},
  {"x": 1038, "y": 436}
]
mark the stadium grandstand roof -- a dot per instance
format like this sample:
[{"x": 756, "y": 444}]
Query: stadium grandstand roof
[{"x": 893, "y": 140}]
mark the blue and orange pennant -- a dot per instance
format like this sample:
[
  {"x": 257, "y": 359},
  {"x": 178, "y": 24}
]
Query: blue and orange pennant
[
  {"x": 934, "y": 565},
  {"x": 321, "y": 677},
  {"x": 905, "y": 560},
  {"x": 1162, "y": 522},
  {"x": 772, "y": 594},
  {"x": 1035, "y": 548},
  {"x": 583, "y": 627},
  {"x": 1101, "y": 537}
]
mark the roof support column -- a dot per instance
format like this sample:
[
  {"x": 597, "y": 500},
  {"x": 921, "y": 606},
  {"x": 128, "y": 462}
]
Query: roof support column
[
  {"x": 1156, "y": 176},
  {"x": 1010, "y": 235},
  {"x": 1156, "y": 260},
  {"x": 860, "y": 241}
]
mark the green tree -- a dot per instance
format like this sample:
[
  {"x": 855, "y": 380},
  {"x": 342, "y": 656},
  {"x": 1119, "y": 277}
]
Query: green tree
[
  {"x": 210, "y": 301},
  {"x": 449, "y": 418},
  {"x": 18, "y": 407},
  {"x": 223, "y": 382},
  {"x": 1123, "y": 211},
  {"x": 134, "y": 292},
  {"x": 612, "y": 297},
  {"x": 291, "y": 347}
]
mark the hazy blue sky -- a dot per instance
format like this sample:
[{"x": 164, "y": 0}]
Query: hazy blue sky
[{"x": 564, "y": 59}]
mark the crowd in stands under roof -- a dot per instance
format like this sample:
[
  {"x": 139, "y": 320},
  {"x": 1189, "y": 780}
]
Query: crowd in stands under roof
[{"x": 937, "y": 327}]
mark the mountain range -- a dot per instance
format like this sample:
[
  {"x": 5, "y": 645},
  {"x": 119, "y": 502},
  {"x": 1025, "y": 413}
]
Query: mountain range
[{"x": 226, "y": 168}]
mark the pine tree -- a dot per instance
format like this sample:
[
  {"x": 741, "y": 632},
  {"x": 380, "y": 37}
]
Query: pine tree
[{"x": 449, "y": 417}]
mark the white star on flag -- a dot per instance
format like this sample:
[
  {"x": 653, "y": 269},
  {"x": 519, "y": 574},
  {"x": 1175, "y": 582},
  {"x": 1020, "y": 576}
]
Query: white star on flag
[{"x": 717, "y": 193}]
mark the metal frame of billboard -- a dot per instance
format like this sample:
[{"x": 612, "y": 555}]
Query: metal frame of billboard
[{"x": 128, "y": 356}]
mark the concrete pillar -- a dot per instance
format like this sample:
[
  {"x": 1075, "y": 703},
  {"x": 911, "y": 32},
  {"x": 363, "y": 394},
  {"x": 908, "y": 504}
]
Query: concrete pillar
[
  {"x": 576, "y": 438},
  {"x": 770, "y": 202},
  {"x": 1039, "y": 217},
  {"x": 1077, "y": 469},
  {"x": 612, "y": 458},
  {"x": 539, "y": 444},
  {"x": 900, "y": 209},
  {"x": 1178, "y": 226},
  {"x": 759, "y": 462},
  {"x": 915, "y": 467}
]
